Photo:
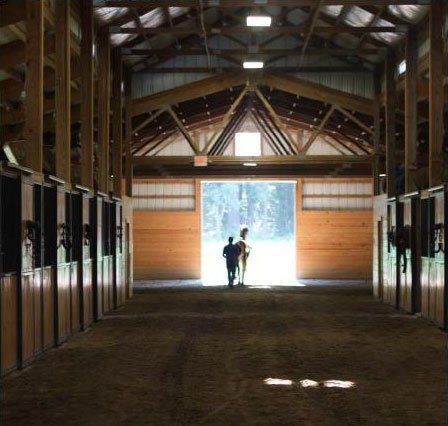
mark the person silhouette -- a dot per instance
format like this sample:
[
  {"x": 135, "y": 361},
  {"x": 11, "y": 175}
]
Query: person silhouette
[{"x": 230, "y": 253}]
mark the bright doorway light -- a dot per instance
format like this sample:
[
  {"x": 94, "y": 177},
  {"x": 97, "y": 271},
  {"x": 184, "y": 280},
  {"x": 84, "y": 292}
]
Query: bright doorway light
[
  {"x": 247, "y": 144},
  {"x": 253, "y": 64},
  {"x": 258, "y": 21}
]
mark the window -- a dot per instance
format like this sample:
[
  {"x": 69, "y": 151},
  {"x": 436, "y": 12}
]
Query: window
[{"x": 247, "y": 144}]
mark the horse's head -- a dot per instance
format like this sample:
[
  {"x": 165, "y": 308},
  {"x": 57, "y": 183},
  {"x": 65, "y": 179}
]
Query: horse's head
[{"x": 244, "y": 230}]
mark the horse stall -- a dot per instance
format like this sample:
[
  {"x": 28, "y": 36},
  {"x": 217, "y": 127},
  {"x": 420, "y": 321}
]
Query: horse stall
[
  {"x": 82, "y": 251},
  {"x": 57, "y": 246},
  {"x": 10, "y": 251},
  {"x": 107, "y": 255},
  {"x": 379, "y": 243},
  {"x": 117, "y": 252},
  {"x": 408, "y": 249},
  {"x": 73, "y": 257},
  {"x": 96, "y": 220},
  {"x": 433, "y": 270},
  {"x": 390, "y": 275},
  {"x": 31, "y": 291}
]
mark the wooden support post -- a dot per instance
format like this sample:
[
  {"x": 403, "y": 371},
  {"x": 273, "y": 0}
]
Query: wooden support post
[
  {"x": 86, "y": 112},
  {"x": 103, "y": 111},
  {"x": 34, "y": 85},
  {"x": 436, "y": 92},
  {"x": 410, "y": 109},
  {"x": 128, "y": 158},
  {"x": 62, "y": 90},
  {"x": 376, "y": 137},
  {"x": 389, "y": 74},
  {"x": 117, "y": 124}
]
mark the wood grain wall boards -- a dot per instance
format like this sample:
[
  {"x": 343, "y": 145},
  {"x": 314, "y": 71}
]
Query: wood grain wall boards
[
  {"x": 63, "y": 300},
  {"x": 9, "y": 330},
  {"x": 48, "y": 291},
  {"x": 379, "y": 220},
  {"x": 433, "y": 271},
  {"x": 128, "y": 245},
  {"x": 87, "y": 293},
  {"x": 75, "y": 310},
  {"x": 390, "y": 259},
  {"x": 167, "y": 245},
  {"x": 334, "y": 244}
]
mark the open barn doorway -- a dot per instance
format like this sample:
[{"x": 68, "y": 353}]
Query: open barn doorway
[{"x": 267, "y": 208}]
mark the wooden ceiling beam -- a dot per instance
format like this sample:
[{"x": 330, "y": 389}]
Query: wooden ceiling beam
[
  {"x": 195, "y": 51},
  {"x": 311, "y": 90},
  {"x": 268, "y": 159},
  {"x": 247, "y": 3},
  {"x": 187, "y": 92},
  {"x": 285, "y": 30}
]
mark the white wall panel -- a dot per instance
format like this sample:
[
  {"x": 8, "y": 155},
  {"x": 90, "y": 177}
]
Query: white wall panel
[
  {"x": 335, "y": 194},
  {"x": 156, "y": 195}
]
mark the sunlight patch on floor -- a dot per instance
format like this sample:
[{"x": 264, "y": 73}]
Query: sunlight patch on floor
[{"x": 308, "y": 383}]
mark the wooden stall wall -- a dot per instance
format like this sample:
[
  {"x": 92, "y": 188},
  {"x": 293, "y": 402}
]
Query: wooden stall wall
[
  {"x": 379, "y": 243},
  {"x": 334, "y": 241},
  {"x": 167, "y": 242},
  {"x": 128, "y": 243}
]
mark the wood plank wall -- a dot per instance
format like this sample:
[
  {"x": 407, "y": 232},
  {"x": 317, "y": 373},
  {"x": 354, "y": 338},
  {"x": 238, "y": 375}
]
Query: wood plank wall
[
  {"x": 330, "y": 243},
  {"x": 333, "y": 244},
  {"x": 167, "y": 243}
]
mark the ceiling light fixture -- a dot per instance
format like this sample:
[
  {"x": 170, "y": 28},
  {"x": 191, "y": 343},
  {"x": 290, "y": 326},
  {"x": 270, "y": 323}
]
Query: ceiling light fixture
[
  {"x": 258, "y": 21},
  {"x": 253, "y": 64},
  {"x": 250, "y": 164}
]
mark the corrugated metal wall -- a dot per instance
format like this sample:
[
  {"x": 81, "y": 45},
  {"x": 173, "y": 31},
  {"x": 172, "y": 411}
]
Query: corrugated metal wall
[
  {"x": 168, "y": 195},
  {"x": 337, "y": 194}
]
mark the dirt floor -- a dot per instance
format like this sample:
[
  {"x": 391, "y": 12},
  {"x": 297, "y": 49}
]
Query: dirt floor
[{"x": 204, "y": 356}]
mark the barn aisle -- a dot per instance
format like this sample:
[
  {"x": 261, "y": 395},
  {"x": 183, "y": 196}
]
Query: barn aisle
[{"x": 193, "y": 356}]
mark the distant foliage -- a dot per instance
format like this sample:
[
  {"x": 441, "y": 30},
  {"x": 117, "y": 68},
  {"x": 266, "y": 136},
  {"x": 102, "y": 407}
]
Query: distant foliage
[{"x": 266, "y": 207}]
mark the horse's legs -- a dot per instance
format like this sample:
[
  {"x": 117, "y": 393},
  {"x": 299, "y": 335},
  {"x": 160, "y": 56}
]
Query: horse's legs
[{"x": 243, "y": 269}]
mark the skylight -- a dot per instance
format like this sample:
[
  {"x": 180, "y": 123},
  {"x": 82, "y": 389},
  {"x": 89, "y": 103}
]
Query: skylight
[{"x": 247, "y": 144}]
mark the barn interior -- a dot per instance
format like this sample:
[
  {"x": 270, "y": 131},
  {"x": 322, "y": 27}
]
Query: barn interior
[{"x": 136, "y": 136}]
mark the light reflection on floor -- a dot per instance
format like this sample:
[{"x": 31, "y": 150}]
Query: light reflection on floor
[{"x": 308, "y": 383}]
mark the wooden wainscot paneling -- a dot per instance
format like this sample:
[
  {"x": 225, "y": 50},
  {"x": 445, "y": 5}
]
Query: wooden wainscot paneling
[
  {"x": 48, "y": 306},
  {"x": 167, "y": 244},
  {"x": 334, "y": 244},
  {"x": 75, "y": 323},
  {"x": 9, "y": 325}
]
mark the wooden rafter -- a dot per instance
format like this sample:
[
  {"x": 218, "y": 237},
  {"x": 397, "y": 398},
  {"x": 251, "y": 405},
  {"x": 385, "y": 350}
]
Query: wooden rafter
[
  {"x": 225, "y": 121},
  {"x": 184, "y": 131},
  {"x": 318, "y": 129},
  {"x": 284, "y": 131},
  {"x": 356, "y": 120},
  {"x": 313, "y": 22}
]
